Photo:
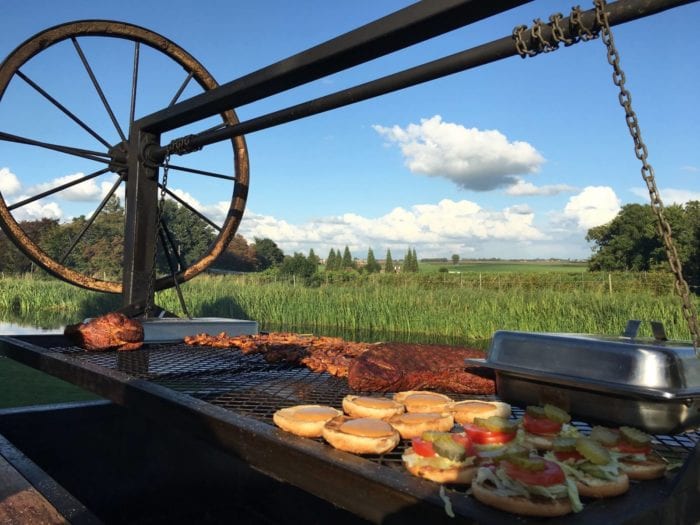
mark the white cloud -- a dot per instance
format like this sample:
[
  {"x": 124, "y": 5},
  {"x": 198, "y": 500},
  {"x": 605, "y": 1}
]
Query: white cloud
[
  {"x": 35, "y": 211},
  {"x": 690, "y": 169},
  {"x": 446, "y": 227},
  {"x": 9, "y": 183},
  {"x": 474, "y": 159},
  {"x": 595, "y": 205},
  {"x": 669, "y": 195},
  {"x": 85, "y": 191},
  {"x": 527, "y": 189}
]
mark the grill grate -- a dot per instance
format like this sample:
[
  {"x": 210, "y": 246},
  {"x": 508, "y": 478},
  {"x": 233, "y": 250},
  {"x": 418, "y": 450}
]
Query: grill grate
[{"x": 250, "y": 386}]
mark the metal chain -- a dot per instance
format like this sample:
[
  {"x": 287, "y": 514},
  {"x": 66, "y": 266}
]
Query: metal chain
[
  {"x": 150, "y": 298},
  {"x": 641, "y": 152}
]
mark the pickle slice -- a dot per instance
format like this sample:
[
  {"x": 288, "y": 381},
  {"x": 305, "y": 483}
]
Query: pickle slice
[
  {"x": 535, "y": 411},
  {"x": 448, "y": 448},
  {"x": 606, "y": 436},
  {"x": 556, "y": 414},
  {"x": 496, "y": 424},
  {"x": 527, "y": 463},
  {"x": 635, "y": 436},
  {"x": 564, "y": 444},
  {"x": 593, "y": 470},
  {"x": 433, "y": 435},
  {"x": 592, "y": 451}
]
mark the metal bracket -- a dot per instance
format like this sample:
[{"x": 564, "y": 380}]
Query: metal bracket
[{"x": 657, "y": 329}]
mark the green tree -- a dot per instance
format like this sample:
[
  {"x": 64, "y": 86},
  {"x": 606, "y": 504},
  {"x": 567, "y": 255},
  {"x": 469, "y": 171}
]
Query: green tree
[
  {"x": 331, "y": 261},
  {"x": 190, "y": 235},
  {"x": 312, "y": 257},
  {"x": 372, "y": 265},
  {"x": 347, "y": 263},
  {"x": 631, "y": 240},
  {"x": 389, "y": 263},
  {"x": 298, "y": 265},
  {"x": 455, "y": 258},
  {"x": 238, "y": 256},
  {"x": 267, "y": 253}
]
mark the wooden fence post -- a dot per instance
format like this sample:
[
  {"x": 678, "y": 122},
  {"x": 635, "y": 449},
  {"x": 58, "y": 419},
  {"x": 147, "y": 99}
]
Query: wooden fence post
[{"x": 610, "y": 283}]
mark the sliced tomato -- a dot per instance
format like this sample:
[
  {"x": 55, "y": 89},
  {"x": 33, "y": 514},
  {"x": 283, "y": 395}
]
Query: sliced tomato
[
  {"x": 540, "y": 425},
  {"x": 563, "y": 456},
  {"x": 465, "y": 441},
  {"x": 483, "y": 436},
  {"x": 629, "y": 448},
  {"x": 551, "y": 475},
  {"x": 422, "y": 447}
]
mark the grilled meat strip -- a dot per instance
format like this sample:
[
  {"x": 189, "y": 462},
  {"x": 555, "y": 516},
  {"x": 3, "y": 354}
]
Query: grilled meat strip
[{"x": 396, "y": 367}]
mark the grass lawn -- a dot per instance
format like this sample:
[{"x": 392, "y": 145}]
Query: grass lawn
[{"x": 24, "y": 386}]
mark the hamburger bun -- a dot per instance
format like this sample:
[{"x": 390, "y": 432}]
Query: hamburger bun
[
  {"x": 466, "y": 411},
  {"x": 305, "y": 420},
  {"x": 412, "y": 425},
  {"x": 540, "y": 507},
  {"x": 377, "y": 407},
  {"x": 601, "y": 488},
  {"x": 361, "y": 435},
  {"x": 459, "y": 474},
  {"x": 652, "y": 468},
  {"x": 423, "y": 401}
]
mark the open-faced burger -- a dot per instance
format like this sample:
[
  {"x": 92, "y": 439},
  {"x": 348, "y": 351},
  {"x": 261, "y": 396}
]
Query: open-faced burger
[
  {"x": 491, "y": 431},
  {"x": 633, "y": 450},
  {"x": 366, "y": 406},
  {"x": 466, "y": 411},
  {"x": 593, "y": 468},
  {"x": 424, "y": 401},
  {"x": 444, "y": 457},
  {"x": 542, "y": 424},
  {"x": 527, "y": 486},
  {"x": 360, "y": 435},
  {"x": 411, "y": 425}
]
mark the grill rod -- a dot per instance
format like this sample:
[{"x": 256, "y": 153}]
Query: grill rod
[{"x": 620, "y": 12}]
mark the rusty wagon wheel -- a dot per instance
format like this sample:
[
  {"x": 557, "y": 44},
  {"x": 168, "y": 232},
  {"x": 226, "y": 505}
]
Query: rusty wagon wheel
[{"x": 66, "y": 144}]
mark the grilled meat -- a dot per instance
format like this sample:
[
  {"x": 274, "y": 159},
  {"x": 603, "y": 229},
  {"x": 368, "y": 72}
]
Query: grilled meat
[
  {"x": 394, "y": 367},
  {"x": 112, "y": 331}
]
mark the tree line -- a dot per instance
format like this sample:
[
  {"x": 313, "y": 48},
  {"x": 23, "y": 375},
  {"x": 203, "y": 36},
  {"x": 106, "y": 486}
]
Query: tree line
[{"x": 630, "y": 242}]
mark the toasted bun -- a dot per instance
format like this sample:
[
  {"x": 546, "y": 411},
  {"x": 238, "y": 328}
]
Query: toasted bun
[
  {"x": 601, "y": 488},
  {"x": 652, "y": 468},
  {"x": 423, "y": 401},
  {"x": 361, "y": 435},
  {"x": 377, "y": 407},
  {"x": 539, "y": 507},
  {"x": 459, "y": 475},
  {"x": 466, "y": 411},
  {"x": 305, "y": 420},
  {"x": 414, "y": 424},
  {"x": 539, "y": 442}
]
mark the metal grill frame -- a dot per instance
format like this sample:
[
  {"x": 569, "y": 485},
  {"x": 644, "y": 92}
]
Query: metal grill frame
[{"x": 227, "y": 400}]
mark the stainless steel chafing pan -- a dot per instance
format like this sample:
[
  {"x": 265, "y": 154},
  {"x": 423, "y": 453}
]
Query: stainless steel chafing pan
[{"x": 653, "y": 384}]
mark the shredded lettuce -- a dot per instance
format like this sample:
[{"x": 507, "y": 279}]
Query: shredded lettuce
[
  {"x": 448, "y": 503},
  {"x": 505, "y": 486}
]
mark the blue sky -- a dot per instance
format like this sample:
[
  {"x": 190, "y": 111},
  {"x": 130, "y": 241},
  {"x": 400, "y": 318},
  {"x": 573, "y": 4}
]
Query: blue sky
[{"x": 516, "y": 159}]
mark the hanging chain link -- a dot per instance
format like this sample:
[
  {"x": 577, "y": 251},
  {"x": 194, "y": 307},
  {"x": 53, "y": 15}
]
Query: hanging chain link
[
  {"x": 150, "y": 298},
  {"x": 641, "y": 152}
]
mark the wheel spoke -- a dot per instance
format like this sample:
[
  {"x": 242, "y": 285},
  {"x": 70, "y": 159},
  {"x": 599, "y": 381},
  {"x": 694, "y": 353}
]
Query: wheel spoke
[
  {"x": 173, "y": 271},
  {"x": 181, "y": 89},
  {"x": 57, "y": 189},
  {"x": 97, "y": 156},
  {"x": 171, "y": 241},
  {"x": 96, "y": 84},
  {"x": 201, "y": 172},
  {"x": 61, "y": 107},
  {"x": 189, "y": 207},
  {"x": 92, "y": 218},
  {"x": 134, "y": 82}
]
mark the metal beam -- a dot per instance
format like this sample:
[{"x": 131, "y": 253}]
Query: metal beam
[
  {"x": 619, "y": 12},
  {"x": 408, "y": 26}
]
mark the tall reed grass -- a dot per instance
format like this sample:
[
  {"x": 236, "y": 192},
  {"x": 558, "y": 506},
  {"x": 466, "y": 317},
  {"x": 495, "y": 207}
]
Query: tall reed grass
[{"x": 397, "y": 308}]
